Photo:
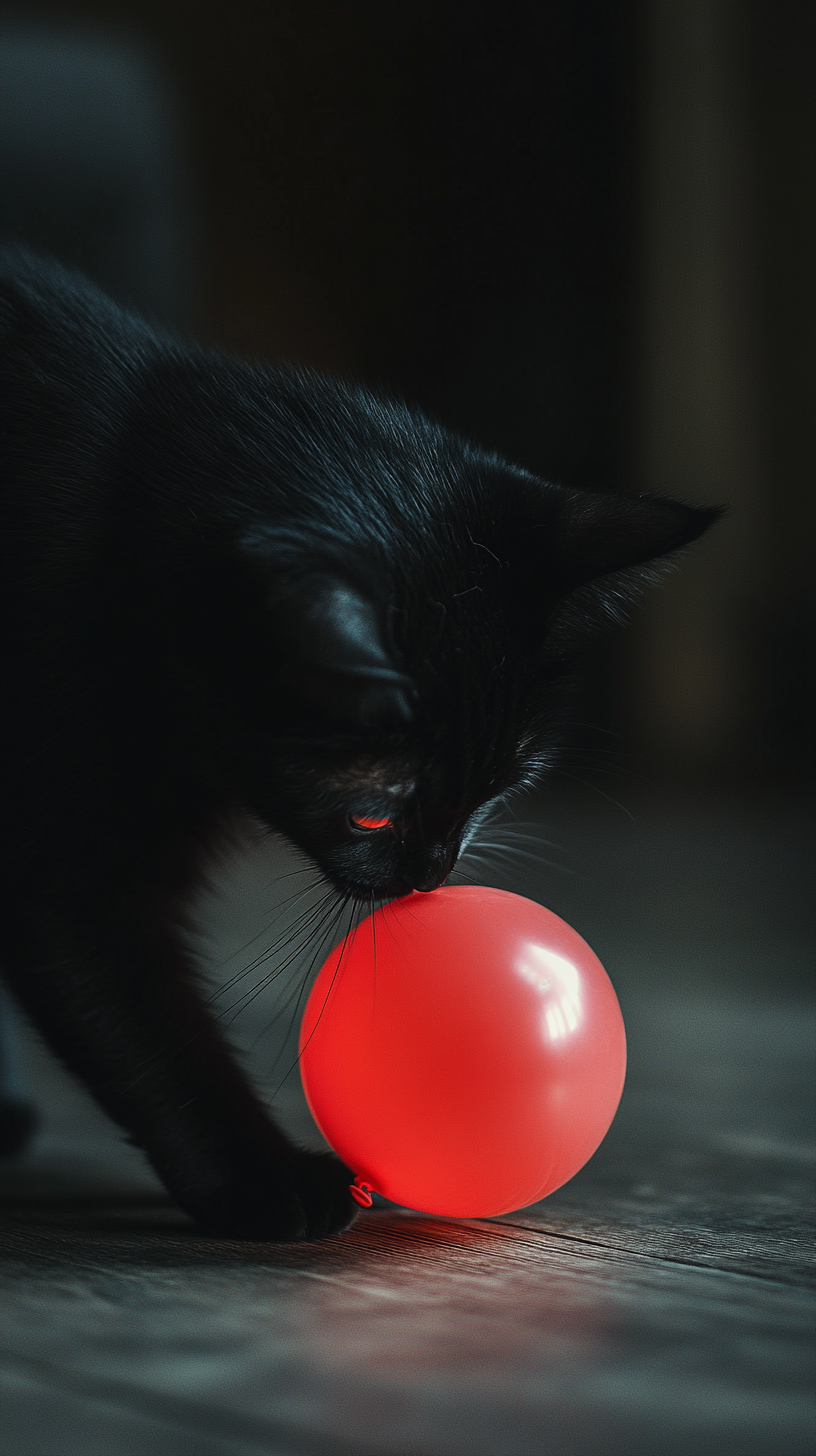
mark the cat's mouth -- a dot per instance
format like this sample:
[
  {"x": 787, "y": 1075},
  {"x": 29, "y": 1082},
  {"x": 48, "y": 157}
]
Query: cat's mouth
[
  {"x": 431, "y": 882},
  {"x": 426, "y": 877},
  {"x": 393, "y": 889},
  {"x": 379, "y": 857}
]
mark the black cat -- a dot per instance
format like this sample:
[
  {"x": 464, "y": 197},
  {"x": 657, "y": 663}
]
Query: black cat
[{"x": 231, "y": 588}]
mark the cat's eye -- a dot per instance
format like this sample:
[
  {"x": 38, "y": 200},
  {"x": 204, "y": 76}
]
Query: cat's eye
[{"x": 361, "y": 821}]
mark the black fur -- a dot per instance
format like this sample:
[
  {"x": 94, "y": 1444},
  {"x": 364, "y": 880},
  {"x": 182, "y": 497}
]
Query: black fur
[{"x": 225, "y": 588}]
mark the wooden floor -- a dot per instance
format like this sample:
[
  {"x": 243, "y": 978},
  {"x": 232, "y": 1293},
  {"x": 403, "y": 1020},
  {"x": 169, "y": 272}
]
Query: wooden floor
[{"x": 662, "y": 1302}]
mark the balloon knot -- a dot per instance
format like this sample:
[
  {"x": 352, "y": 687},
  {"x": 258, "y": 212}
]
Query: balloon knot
[{"x": 361, "y": 1193}]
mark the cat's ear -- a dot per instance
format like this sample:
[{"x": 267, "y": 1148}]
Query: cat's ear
[
  {"x": 587, "y": 554},
  {"x": 334, "y": 655},
  {"x": 593, "y": 535}
]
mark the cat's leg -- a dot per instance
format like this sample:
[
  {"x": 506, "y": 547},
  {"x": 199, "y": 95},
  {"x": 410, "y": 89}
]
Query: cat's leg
[{"x": 111, "y": 988}]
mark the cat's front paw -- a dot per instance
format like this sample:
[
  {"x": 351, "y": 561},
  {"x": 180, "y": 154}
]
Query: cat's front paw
[{"x": 307, "y": 1197}]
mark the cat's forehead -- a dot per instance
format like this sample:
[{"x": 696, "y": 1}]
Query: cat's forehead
[{"x": 374, "y": 775}]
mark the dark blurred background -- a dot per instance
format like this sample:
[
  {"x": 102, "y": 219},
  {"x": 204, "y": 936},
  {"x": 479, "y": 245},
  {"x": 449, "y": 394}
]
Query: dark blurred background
[{"x": 580, "y": 231}]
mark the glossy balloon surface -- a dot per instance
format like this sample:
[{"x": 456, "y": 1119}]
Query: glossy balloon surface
[{"x": 464, "y": 1053}]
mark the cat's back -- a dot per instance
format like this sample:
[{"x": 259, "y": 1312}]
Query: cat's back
[
  {"x": 70, "y": 364},
  {"x": 56, "y": 319}
]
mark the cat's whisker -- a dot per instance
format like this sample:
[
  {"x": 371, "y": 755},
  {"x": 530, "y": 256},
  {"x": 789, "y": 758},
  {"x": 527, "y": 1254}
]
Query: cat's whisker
[
  {"x": 299, "y": 983},
  {"x": 281, "y": 910},
  {"x": 516, "y": 852},
  {"x": 349, "y": 905},
  {"x": 165, "y": 1054},
  {"x": 508, "y": 845},
  {"x": 319, "y": 934},
  {"x": 304, "y": 869},
  {"x": 591, "y": 728},
  {"x": 299, "y": 925},
  {"x": 510, "y": 836},
  {"x": 500, "y": 825},
  {"x": 266, "y": 980},
  {"x": 529, "y": 828},
  {"x": 277, "y": 914},
  {"x": 298, "y": 933},
  {"x": 587, "y": 783},
  {"x": 461, "y": 875},
  {"x": 344, "y": 949}
]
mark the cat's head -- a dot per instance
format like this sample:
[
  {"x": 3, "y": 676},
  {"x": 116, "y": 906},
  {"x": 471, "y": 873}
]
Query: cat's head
[{"x": 410, "y": 666}]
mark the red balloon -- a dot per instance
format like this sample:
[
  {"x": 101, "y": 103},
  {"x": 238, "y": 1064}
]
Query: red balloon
[{"x": 463, "y": 1052}]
